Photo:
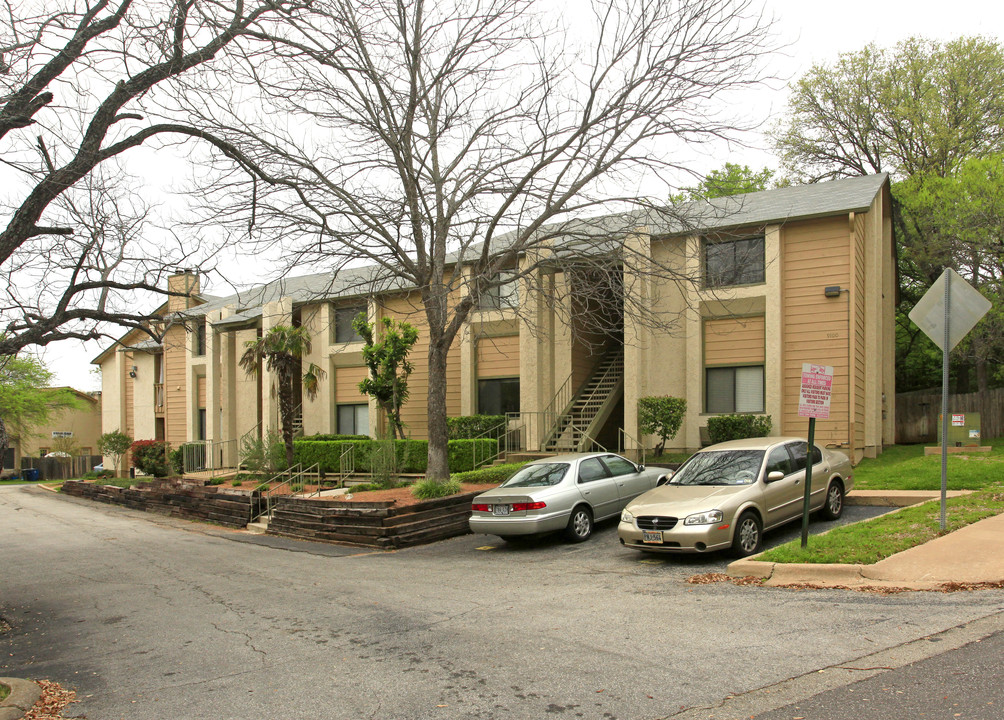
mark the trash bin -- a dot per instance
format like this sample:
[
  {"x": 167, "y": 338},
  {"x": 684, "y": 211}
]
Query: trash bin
[{"x": 30, "y": 474}]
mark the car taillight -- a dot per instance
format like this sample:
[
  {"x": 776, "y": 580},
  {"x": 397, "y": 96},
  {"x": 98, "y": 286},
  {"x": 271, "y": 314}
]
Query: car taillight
[
  {"x": 478, "y": 507},
  {"x": 517, "y": 507}
]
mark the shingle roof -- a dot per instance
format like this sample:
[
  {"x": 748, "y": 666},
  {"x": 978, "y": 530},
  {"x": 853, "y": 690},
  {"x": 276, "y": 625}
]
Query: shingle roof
[{"x": 799, "y": 202}]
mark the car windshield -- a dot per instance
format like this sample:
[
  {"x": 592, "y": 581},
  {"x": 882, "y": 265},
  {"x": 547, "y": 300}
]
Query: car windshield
[
  {"x": 720, "y": 467},
  {"x": 537, "y": 475}
]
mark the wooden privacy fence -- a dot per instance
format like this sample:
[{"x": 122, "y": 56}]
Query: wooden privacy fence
[
  {"x": 917, "y": 415},
  {"x": 59, "y": 468}
]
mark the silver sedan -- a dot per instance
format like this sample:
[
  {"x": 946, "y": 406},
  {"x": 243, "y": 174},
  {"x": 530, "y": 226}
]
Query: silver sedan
[
  {"x": 727, "y": 495},
  {"x": 565, "y": 492}
]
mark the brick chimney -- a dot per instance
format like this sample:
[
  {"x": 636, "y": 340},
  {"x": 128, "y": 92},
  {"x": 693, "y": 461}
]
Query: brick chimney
[{"x": 187, "y": 282}]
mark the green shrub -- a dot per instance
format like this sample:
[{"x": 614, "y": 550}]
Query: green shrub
[
  {"x": 487, "y": 475},
  {"x": 95, "y": 474},
  {"x": 661, "y": 415},
  {"x": 263, "y": 456},
  {"x": 216, "y": 481},
  {"x": 319, "y": 437},
  {"x": 236, "y": 482},
  {"x": 363, "y": 487},
  {"x": 177, "y": 460},
  {"x": 738, "y": 427},
  {"x": 150, "y": 456},
  {"x": 469, "y": 427},
  {"x": 429, "y": 489}
]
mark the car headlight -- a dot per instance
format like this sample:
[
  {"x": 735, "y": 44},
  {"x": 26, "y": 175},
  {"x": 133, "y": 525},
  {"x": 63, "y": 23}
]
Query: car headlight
[
  {"x": 627, "y": 517},
  {"x": 704, "y": 518}
]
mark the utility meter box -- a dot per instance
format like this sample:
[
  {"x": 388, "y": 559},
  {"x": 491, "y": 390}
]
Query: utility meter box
[{"x": 963, "y": 429}]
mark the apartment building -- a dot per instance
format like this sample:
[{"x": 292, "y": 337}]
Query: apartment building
[{"x": 787, "y": 276}]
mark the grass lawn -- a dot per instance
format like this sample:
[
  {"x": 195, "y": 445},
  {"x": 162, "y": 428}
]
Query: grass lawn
[
  {"x": 873, "y": 540},
  {"x": 905, "y": 467}
]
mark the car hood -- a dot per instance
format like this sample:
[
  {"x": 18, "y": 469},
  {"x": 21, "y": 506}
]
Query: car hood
[{"x": 680, "y": 500}]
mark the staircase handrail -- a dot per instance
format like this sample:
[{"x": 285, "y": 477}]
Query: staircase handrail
[
  {"x": 499, "y": 433},
  {"x": 622, "y": 437}
]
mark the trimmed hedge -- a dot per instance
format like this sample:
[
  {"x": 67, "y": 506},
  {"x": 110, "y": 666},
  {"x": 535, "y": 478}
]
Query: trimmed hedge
[
  {"x": 487, "y": 475},
  {"x": 738, "y": 427},
  {"x": 319, "y": 437},
  {"x": 412, "y": 455},
  {"x": 469, "y": 427}
]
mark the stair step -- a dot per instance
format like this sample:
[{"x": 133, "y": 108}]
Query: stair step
[{"x": 259, "y": 527}]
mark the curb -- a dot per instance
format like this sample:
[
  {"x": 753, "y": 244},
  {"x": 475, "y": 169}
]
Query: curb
[{"x": 23, "y": 696}]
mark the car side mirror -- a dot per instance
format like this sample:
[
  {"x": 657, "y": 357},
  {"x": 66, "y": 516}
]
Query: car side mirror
[
  {"x": 663, "y": 479},
  {"x": 774, "y": 476},
  {"x": 641, "y": 468}
]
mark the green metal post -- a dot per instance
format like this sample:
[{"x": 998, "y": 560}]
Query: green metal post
[{"x": 808, "y": 481}]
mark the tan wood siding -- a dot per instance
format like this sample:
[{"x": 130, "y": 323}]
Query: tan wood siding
[
  {"x": 734, "y": 341},
  {"x": 816, "y": 254},
  {"x": 130, "y": 393},
  {"x": 347, "y": 381},
  {"x": 498, "y": 356},
  {"x": 175, "y": 386},
  {"x": 415, "y": 413},
  {"x": 858, "y": 339},
  {"x": 201, "y": 389}
]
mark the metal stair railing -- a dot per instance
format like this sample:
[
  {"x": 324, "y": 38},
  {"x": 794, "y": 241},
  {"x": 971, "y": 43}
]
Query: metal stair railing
[
  {"x": 296, "y": 479},
  {"x": 499, "y": 433},
  {"x": 613, "y": 368},
  {"x": 622, "y": 441}
]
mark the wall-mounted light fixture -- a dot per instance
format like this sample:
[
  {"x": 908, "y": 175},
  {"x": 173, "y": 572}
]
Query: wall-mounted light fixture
[
  {"x": 132, "y": 372},
  {"x": 833, "y": 291}
]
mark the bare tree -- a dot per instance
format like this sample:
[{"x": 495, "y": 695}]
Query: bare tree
[
  {"x": 79, "y": 87},
  {"x": 418, "y": 136}
]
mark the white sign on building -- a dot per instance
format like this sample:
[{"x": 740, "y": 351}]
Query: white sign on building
[{"x": 814, "y": 396}]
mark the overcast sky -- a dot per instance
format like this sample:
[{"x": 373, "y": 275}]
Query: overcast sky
[{"x": 811, "y": 32}]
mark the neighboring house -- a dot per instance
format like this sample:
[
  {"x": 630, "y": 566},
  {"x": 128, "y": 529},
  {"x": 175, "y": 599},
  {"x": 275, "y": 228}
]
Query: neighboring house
[
  {"x": 800, "y": 274},
  {"x": 75, "y": 428}
]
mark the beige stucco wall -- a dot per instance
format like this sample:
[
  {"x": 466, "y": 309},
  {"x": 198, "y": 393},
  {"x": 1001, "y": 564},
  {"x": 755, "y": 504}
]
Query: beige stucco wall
[{"x": 84, "y": 422}]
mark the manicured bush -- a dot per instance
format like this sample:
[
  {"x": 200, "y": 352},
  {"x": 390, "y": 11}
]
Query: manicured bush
[
  {"x": 661, "y": 415},
  {"x": 150, "y": 456},
  {"x": 738, "y": 427},
  {"x": 320, "y": 437},
  {"x": 411, "y": 455},
  {"x": 469, "y": 427},
  {"x": 488, "y": 475},
  {"x": 95, "y": 474},
  {"x": 429, "y": 489}
]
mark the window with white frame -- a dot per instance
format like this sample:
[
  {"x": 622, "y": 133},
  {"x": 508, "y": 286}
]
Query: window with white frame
[
  {"x": 353, "y": 419},
  {"x": 733, "y": 262},
  {"x": 343, "y": 330},
  {"x": 734, "y": 389},
  {"x": 503, "y": 293}
]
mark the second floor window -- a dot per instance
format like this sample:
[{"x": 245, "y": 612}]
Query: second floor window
[
  {"x": 344, "y": 332},
  {"x": 733, "y": 262},
  {"x": 504, "y": 292}
]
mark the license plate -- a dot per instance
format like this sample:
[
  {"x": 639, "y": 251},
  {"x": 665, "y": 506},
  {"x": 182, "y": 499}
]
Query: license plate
[
  {"x": 651, "y": 536},
  {"x": 500, "y": 509}
]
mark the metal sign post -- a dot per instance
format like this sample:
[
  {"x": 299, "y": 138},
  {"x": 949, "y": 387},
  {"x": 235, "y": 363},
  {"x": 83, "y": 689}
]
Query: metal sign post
[
  {"x": 946, "y": 314},
  {"x": 813, "y": 402}
]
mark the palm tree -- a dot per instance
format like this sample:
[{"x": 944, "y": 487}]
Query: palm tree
[{"x": 281, "y": 349}]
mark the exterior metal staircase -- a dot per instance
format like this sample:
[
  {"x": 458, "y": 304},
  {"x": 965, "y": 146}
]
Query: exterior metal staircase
[{"x": 577, "y": 427}]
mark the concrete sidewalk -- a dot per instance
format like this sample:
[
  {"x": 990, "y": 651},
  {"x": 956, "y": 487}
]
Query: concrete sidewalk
[{"x": 970, "y": 555}]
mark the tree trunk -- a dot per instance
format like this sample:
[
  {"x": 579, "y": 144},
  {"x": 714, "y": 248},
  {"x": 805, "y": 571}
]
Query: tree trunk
[
  {"x": 286, "y": 416},
  {"x": 439, "y": 469}
]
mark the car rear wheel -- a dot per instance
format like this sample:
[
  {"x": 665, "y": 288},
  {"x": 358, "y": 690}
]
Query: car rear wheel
[
  {"x": 833, "y": 508},
  {"x": 748, "y": 536},
  {"x": 580, "y": 524}
]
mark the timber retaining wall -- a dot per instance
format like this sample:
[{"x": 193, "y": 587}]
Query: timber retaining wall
[
  {"x": 192, "y": 500},
  {"x": 377, "y": 524}
]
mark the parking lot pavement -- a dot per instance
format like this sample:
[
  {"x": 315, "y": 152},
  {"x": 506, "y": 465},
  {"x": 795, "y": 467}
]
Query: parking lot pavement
[{"x": 147, "y": 617}]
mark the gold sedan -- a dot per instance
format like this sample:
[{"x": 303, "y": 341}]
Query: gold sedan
[{"x": 727, "y": 495}]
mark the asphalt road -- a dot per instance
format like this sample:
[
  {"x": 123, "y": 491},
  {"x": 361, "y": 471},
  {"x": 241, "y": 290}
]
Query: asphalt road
[{"x": 149, "y": 617}]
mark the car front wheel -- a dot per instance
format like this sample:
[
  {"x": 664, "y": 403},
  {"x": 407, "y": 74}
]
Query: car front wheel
[
  {"x": 748, "y": 536},
  {"x": 580, "y": 525},
  {"x": 833, "y": 508}
]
